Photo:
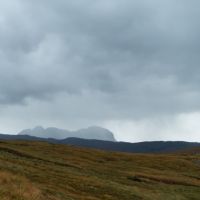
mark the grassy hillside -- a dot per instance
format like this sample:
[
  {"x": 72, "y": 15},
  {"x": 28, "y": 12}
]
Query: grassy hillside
[{"x": 40, "y": 171}]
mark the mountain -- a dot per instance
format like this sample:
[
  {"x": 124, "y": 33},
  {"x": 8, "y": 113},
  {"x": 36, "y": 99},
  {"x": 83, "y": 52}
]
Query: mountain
[{"x": 94, "y": 132}]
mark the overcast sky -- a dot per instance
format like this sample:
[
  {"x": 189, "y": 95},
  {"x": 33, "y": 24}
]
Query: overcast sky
[{"x": 128, "y": 65}]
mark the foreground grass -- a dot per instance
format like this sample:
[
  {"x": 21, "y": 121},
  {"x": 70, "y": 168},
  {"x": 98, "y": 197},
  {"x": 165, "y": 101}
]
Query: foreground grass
[
  {"x": 40, "y": 171},
  {"x": 17, "y": 188}
]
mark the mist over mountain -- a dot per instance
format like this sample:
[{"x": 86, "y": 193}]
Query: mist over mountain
[{"x": 93, "y": 132}]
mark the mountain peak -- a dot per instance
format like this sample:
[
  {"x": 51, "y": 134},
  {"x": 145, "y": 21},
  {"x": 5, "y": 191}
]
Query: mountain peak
[{"x": 97, "y": 132}]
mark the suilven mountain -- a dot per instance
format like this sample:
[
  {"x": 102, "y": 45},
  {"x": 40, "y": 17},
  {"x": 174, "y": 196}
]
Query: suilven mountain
[{"x": 94, "y": 132}]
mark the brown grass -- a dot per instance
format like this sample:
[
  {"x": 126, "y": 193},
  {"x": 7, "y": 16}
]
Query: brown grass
[
  {"x": 42, "y": 171},
  {"x": 14, "y": 187}
]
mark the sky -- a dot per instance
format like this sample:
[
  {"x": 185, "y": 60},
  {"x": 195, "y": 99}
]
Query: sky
[{"x": 129, "y": 66}]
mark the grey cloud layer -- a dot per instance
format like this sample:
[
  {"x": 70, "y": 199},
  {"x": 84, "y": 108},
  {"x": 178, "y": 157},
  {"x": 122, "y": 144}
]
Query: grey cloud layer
[{"x": 133, "y": 58}]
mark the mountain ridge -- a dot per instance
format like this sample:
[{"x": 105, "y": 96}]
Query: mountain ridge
[{"x": 93, "y": 132}]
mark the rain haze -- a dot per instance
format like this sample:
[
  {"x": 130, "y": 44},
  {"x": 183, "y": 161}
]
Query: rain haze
[{"x": 129, "y": 66}]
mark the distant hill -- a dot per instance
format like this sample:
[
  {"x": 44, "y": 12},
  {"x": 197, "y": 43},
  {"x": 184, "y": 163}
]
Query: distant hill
[
  {"x": 94, "y": 132},
  {"x": 141, "y": 147}
]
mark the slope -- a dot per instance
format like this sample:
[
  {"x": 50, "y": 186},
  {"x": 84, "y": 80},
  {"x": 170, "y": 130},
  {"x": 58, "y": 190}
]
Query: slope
[{"x": 62, "y": 172}]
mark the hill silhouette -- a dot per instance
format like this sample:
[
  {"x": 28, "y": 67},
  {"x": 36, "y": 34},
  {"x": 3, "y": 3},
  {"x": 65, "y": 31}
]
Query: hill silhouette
[{"x": 141, "y": 147}]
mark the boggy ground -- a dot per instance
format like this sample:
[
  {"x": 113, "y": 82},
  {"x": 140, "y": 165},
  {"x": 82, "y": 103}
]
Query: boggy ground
[{"x": 42, "y": 171}]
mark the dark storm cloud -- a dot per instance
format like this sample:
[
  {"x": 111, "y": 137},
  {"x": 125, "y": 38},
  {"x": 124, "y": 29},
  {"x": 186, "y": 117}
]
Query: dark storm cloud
[{"x": 134, "y": 58}]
